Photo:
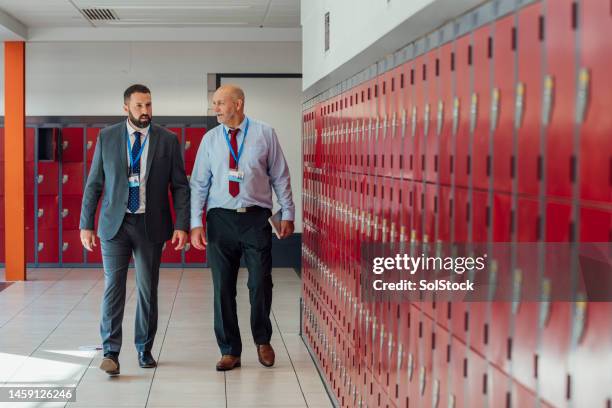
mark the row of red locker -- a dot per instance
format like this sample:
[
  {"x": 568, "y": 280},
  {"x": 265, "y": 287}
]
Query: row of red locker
[
  {"x": 473, "y": 354},
  {"x": 56, "y": 187},
  {"x": 429, "y": 212},
  {"x": 459, "y": 114}
]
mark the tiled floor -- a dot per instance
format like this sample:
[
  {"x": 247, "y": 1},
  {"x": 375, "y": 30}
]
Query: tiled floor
[{"x": 49, "y": 325}]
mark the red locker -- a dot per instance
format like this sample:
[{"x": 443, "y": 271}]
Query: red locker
[
  {"x": 561, "y": 88},
  {"x": 466, "y": 105},
  {"x": 90, "y": 144},
  {"x": 421, "y": 112},
  {"x": 458, "y": 365},
  {"x": 446, "y": 149},
  {"x": 29, "y": 145},
  {"x": 72, "y": 250},
  {"x": 431, "y": 212},
  {"x": 503, "y": 103},
  {"x": 528, "y": 109},
  {"x": 47, "y": 214},
  {"x": 31, "y": 213},
  {"x": 501, "y": 389},
  {"x": 72, "y": 144},
  {"x": 461, "y": 215},
  {"x": 71, "y": 211},
  {"x": 527, "y": 311},
  {"x": 2, "y": 144},
  {"x": 47, "y": 178},
  {"x": 410, "y": 116},
  {"x": 2, "y": 174},
  {"x": 2, "y": 241},
  {"x": 194, "y": 255},
  {"x": 48, "y": 246},
  {"x": 480, "y": 158},
  {"x": 432, "y": 118},
  {"x": 477, "y": 379},
  {"x": 30, "y": 245},
  {"x": 396, "y": 109},
  {"x": 72, "y": 178},
  {"x": 441, "y": 365}
]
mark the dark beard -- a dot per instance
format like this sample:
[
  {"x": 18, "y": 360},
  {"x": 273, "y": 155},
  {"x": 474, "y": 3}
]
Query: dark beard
[{"x": 139, "y": 123}]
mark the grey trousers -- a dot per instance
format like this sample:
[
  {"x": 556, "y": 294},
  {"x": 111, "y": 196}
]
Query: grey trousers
[{"x": 116, "y": 254}]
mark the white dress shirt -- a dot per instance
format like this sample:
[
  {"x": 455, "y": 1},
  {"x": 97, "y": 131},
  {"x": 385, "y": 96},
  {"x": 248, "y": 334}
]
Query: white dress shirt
[{"x": 143, "y": 163}]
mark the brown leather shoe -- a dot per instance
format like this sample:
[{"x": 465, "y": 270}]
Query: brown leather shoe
[
  {"x": 265, "y": 352},
  {"x": 228, "y": 362}
]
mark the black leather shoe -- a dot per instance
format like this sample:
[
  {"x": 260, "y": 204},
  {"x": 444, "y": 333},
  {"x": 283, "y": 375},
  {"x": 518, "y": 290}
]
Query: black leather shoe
[
  {"x": 110, "y": 364},
  {"x": 146, "y": 360}
]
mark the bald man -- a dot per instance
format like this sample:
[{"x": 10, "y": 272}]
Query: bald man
[{"x": 237, "y": 165}]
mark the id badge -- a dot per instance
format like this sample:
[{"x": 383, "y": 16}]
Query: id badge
[
  {"x": 134, "y": 180},
  {"x": 236, "y": 175}
]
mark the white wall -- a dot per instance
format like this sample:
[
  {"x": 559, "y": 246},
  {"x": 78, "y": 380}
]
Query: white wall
[
  {"x": 361, "y": 25},
  {"x": 79, "y": 78}
]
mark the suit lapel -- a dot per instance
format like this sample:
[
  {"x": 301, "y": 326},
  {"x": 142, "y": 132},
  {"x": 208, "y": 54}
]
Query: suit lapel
[
  {"x": 153, "y": 139},
  {"x": 123, "y": 148}
]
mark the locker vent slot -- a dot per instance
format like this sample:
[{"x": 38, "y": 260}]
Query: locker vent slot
[
  {"x": 541, "y": 28},
  {"x": 509, "y": 349},
  {"x": 513, "y": 38},
  {"x": 508, "y": 400},
  {"x": 437, "y": 67},
  {"x": 469, "y": 55},
  {"x": 384, "y": 87},
  {"x": 452, "y": 61},
  {"x": 100, "y": 14},
  {"x": 568, "y": 390},
  {"x": 465, "y": 368},
  {"x": 375, "y": 92},
  {"x": 424, "y": 72},
  {"x": 540, "y": 164},
  {"x": 402, "y": 81},
  {"x": 573, "y": 169},
  {"x": 535, "y": 365},
  {"x": 392, "y": 84},
  {"x": 420, "y": 330},
  {"x": 412, "y": 76},
  {"x": 490, "y": 48},
  {"x": 574, "y": 15},
  {"x": 486, "y": 334},
  {"x": 466, "y": 321},
  {"x": 484, "y": 384}
]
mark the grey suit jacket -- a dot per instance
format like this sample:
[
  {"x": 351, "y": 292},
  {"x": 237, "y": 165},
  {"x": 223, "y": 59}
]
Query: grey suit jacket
[{"x": 108, "y": 174}]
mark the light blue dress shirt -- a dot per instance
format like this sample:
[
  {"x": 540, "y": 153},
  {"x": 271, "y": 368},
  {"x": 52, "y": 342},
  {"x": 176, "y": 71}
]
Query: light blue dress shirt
[{"x": 262, "y": 162}]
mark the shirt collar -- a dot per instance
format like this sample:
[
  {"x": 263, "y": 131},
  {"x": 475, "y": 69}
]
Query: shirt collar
[
  {"x": 241, "y": 127},
  {"x": 131, "y": 129}
]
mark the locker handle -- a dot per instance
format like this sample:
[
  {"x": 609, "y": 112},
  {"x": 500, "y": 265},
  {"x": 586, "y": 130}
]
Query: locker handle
[
  {"x": 65, "y": 144},
  {"x": 187, "y": 145},
  {"x": 40, "y": 178},
  {"x": 164, "y": 247},
  {"x": 89, "y": 144},
  {"x": 187, "y": 247},
  {"x": 41, "y": 246},
  {"x": 41, "y": 212},
  {"x": 65, "y": 179},
  {"x": 65, "y": 212},
  {"x": 65, "y": 246}
]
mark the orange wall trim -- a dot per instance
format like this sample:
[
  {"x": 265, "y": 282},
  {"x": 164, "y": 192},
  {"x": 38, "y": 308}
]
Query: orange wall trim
[{"x": 14, "y": 158}]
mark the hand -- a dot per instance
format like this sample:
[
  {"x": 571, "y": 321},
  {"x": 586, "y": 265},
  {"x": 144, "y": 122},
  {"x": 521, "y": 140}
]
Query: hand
[
  {"x": 180, "y": 237},
  {"x": 88, "y": 239},
  {"x": 198, "y": 238},
  {"x": 286, "y": 229}
]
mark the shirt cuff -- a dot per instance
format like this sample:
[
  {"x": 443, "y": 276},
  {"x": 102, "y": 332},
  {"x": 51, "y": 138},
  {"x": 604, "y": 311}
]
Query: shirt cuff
[
  {"x": 196, "y": 223},
  {"x": 287, "y": 216}
]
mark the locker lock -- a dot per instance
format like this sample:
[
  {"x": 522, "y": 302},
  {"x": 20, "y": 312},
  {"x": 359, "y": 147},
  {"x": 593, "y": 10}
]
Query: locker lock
[
  {"x": 436, "y": 393},
  {"x": 545, "y": 302},
  {"x": 187, "y": 144},
  {"x": 410, "y": 366},
  {"x": 65, "y": 246},
  {"x": 580, "y": 313},
  {"x": 41, "y": 212},
  {"x": 40, "y": 178},
  {"x": 516, "y": 290},
  {"x": 64, "y": 144},
  {"x": 451, "y": 400},
  {"x": 187, "y": 247},
  {"x": 65, "y": 213},
  {"x": 89, "y": 144},
  {"x": 41, "y": 246},
  {"x": 64, "y": 179},
  {"x": 456, "y": 106},
  {"x": 422, "y": 380}
]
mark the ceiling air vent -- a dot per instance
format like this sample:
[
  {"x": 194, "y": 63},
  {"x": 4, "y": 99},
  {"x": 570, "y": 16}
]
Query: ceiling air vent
[{"x": 100, "y": 14}]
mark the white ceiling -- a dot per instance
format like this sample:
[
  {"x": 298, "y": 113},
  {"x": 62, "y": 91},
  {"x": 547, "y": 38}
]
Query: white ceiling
[{"x": 57, "y": 19}]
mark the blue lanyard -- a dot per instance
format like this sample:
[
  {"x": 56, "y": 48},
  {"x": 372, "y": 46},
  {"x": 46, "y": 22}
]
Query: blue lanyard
[
  {"x": 132, "y": 160},
  {"x": 227, "y": 140}
]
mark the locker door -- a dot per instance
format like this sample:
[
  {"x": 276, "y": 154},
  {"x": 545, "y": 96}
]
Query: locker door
[
  {"x": 29, "y": 144},
  {"x": 527, "y": 311},
  {"x": 193, "y": 138},
  {"x": 419, "y": 210},
  {"x": 48, "y": 246},
  {"x": 480, "y": 158},
  {"x": 530, "y": 118},
  {"x": 90, "y": 146},
  {"x": 446, "y": 150},
  {"x": 595, "y": 144},
  {"x": 561, "y": 68},
  {"x": 47, "y": 212},
  {"x": 441, "y": 365},
  {"x": 503, "y": 101},
  {"x": 420, "y": 112},
  {"x": 476, "y": 379},
  {"x": 461, "y": 215},
  {"x": 71, "y": 211},
  {"x": 72, "y": 144},
  {"x": 409, "y": 116},
  {"x": 72, "y": 250},
  {"x": 459, "y": 370},
  {"x": 501, "y": 395},
  {"x": 463, "y": 68},
  {"x": 430, "y": 130},
  {"x": 47, "y": 178},
  {"x": 72, "y": 178},
  {"x": 398, "y": 83},
  {"x": 431, "y": 212},
  {"x": 555, "y": 325},
  {"x": 31, "y": 245}
]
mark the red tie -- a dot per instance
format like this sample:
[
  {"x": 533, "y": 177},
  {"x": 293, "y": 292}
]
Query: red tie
[{"x": 234, "y": 186}]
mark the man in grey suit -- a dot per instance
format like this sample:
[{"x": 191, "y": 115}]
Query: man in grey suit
[{"x": 135, "y": 163}]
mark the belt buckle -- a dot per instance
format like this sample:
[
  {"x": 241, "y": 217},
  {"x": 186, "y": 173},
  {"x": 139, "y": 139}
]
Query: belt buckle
[{"x": 241, "y": 210}]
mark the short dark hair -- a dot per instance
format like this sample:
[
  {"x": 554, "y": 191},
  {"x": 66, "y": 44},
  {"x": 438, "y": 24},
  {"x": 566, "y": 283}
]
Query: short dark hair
[{"x": 133, "y": 89}]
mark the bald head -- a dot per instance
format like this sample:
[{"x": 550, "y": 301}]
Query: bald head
[{"x": 228, "y": 104}]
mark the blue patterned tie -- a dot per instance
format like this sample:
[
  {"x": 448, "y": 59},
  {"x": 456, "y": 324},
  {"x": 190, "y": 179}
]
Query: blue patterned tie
[{"x": 134, "y": 193}]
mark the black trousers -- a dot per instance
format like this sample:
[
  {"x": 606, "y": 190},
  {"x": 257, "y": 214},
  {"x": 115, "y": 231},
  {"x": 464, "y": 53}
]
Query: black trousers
[
  {"x": 230, "y": 235},
  {"x": 131, "y": 240}
]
